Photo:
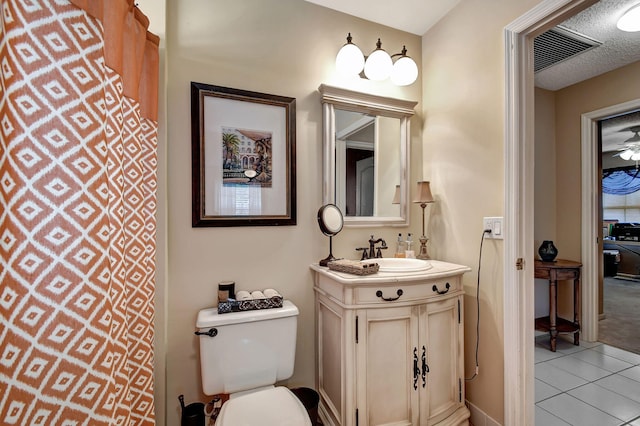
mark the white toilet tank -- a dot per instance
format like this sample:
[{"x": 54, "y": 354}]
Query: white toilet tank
[{"x": 250, "y": 349}]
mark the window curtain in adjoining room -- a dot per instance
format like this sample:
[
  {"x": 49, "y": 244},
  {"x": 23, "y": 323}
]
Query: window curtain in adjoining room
[
  {"x": 78, "y": 177},
  {"x": 620, "y": 182}
]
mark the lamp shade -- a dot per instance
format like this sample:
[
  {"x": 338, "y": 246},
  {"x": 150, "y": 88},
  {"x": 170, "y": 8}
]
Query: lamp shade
[
  {"x": 349, "y": 60},
  {"x": 378, "y": 65},
  {"x": 424, "y": 193},
  {"x": 396, "y": 196},
  {"x": 630, "y": 21}
]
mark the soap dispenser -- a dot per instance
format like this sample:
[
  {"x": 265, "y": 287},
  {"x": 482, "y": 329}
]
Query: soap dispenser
[
  {"x": 410, "y": 253},
  {"x": 401, "y": 247}
]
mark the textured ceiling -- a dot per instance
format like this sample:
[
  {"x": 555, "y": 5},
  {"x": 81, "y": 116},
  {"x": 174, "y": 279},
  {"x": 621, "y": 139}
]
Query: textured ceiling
[{"x": 618, "y": 48}]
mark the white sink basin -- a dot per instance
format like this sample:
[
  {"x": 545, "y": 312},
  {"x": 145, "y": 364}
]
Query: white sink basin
[{"x": 399, "y": 264}]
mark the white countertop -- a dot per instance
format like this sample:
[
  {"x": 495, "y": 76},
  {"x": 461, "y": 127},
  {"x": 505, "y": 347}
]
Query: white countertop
[{"x": 438, "y": 269}]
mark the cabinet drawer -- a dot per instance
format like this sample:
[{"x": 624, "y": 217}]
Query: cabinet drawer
[{"x": 406, "y": 292}]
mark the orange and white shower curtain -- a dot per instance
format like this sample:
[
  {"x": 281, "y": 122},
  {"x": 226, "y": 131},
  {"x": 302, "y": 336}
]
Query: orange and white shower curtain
[{"x": 78, "y": 177}]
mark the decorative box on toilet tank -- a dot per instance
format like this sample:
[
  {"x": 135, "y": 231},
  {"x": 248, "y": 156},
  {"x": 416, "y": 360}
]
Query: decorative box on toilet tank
[{"x": 390, "y": 347}]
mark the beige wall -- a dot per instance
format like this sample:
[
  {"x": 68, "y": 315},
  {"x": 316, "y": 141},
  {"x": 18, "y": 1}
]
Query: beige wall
[
  {"x": 282, "y": 47},
  {"x": 463, "y": 97},
  {"x": 544, "y": 185},
  {"x": 287, "y": 47},
  {"x": 609, "y": 89},
  {"x": 545, "y": 167},
  {"x": 569, "y": 104}
]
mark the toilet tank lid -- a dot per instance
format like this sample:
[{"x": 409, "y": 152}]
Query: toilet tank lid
[{"x": 210, "y": 318}]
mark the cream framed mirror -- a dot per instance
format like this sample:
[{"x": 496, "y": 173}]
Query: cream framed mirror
[{"x": 366, "y": 156}]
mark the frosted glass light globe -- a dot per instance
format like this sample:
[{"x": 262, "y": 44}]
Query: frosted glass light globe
[
  {"x": 378, "y": 65},
  {"x": 630, "y": 21},
  {"x": 404, "y": 72},
  {"x": 350, "y": 60},
  {"x": 626, "y": 155}
]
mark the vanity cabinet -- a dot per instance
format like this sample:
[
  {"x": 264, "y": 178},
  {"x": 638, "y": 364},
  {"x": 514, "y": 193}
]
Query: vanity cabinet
[{"x": 390, "y": 347}]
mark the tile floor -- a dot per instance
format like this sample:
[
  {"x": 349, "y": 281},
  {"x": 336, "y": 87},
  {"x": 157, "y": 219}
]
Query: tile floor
[{"x": 588, "y": 385}]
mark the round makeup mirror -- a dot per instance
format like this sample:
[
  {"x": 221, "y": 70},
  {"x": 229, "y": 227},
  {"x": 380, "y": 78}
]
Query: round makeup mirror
[{"x": 330, "y": 220}]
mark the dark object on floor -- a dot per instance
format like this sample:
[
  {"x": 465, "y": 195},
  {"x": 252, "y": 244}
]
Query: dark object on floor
[
  {"x": 611, "y": 260},
  {"x": 310, "y": 400},
  {"x": 192, "y": 414}
]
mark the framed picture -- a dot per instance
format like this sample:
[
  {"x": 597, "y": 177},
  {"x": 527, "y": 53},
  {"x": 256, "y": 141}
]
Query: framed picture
[{"x": 243, "y": 148}]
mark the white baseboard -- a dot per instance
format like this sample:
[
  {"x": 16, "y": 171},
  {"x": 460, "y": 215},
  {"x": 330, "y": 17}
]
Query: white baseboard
[{"x": 479, "y": 417}]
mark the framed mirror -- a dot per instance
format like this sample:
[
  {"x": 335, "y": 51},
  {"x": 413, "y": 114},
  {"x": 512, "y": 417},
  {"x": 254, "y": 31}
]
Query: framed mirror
[{"x": 366, "y": 156}]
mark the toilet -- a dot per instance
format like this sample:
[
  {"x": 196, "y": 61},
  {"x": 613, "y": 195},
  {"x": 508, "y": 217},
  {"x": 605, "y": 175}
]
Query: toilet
[{"x": 244, "y": 354}]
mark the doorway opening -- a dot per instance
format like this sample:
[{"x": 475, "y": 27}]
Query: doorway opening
[
  {"x": 593, "y": 223},
  {"x": 519, "y": 206}
]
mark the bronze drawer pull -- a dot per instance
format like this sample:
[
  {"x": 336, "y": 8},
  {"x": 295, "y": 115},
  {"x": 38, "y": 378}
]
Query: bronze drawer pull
[
  {"x": 435, "y": 288},
  {"x": 416, "y": 369},
  {"x": 389, "y": 299}
]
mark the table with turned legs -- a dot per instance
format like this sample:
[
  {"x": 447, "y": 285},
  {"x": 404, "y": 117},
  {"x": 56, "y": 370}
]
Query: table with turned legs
[{"x": 560, "y": 271}]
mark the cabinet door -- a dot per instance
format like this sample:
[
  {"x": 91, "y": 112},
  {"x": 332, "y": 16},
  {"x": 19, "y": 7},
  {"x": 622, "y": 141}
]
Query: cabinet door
[
  {"x": 443, "y": 343},
  {"x": 387, "y": 352},
  {"x": 336, "y": 362}
]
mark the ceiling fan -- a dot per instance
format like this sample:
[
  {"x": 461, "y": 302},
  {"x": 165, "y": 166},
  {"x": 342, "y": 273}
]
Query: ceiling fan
[
  {"x": 635, "y": 138},
  {"x": 631, "y": 151}
]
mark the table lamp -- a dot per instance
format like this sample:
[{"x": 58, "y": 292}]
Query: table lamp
[
  {"x": 396, "y": 196},
  {"x": 423, "y": 197}
]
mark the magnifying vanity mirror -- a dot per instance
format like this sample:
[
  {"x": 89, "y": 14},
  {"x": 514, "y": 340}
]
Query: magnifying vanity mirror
[
  {"x": 330, "y": 221},
  {"x": 366, "y": 141}
]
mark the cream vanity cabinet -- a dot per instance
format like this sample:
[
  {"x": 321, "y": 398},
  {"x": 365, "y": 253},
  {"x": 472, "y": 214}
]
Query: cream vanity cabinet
[{"x": 391, "y": 347}]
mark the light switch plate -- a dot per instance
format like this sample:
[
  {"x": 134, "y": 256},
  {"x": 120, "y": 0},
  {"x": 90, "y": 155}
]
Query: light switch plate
[{"x": 495, "y": 225}]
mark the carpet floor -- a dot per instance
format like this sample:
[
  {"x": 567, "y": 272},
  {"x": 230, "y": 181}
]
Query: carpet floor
[{"x": 621, "y": 325}]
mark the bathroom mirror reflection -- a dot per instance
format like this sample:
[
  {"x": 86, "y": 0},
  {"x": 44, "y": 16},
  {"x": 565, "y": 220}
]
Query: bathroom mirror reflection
[{"x": 366, "y": 156}]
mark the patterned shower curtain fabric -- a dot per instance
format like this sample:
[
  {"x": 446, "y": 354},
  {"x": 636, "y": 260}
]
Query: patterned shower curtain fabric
[{"x": 78, "y": 176}]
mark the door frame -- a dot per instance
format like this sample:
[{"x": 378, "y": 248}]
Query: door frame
[
  {"x": 518, "y": 294},
  {"x": 590, "y": 229}
]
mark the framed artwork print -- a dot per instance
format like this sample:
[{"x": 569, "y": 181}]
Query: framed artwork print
[{"x": 243, "y": 151}]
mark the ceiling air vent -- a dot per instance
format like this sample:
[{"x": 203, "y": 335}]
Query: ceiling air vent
[{"x": 558, "y": 44}]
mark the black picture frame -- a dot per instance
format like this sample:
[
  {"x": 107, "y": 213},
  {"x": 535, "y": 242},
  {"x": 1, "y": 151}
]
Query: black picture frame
[{"x": 243, "y": 154}]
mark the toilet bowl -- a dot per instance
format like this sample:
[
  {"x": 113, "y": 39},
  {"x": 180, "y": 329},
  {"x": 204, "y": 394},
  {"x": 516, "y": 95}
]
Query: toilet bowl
[
  {"x": 273, "y": 406},
  {"x": 244, "y": 354}
]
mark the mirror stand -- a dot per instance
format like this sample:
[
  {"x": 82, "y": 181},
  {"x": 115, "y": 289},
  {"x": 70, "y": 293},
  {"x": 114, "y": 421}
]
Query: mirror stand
[
  {"x": 330, "y": 221},
  {"x": 330, "y": 258}
]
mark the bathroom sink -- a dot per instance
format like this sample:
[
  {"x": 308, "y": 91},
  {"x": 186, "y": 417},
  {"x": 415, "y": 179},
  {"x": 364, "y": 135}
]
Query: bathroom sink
[{"x": 399, "y": 264}]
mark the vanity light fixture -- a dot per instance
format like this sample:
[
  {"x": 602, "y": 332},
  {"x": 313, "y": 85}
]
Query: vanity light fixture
[
  {"x": 378, "y": 66},
  {"x": 423, "y": 197},
  {"x": 405, "y": 70},
  {"x": 350, "y": 60},
  {"x": 630, "y": 21}
]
